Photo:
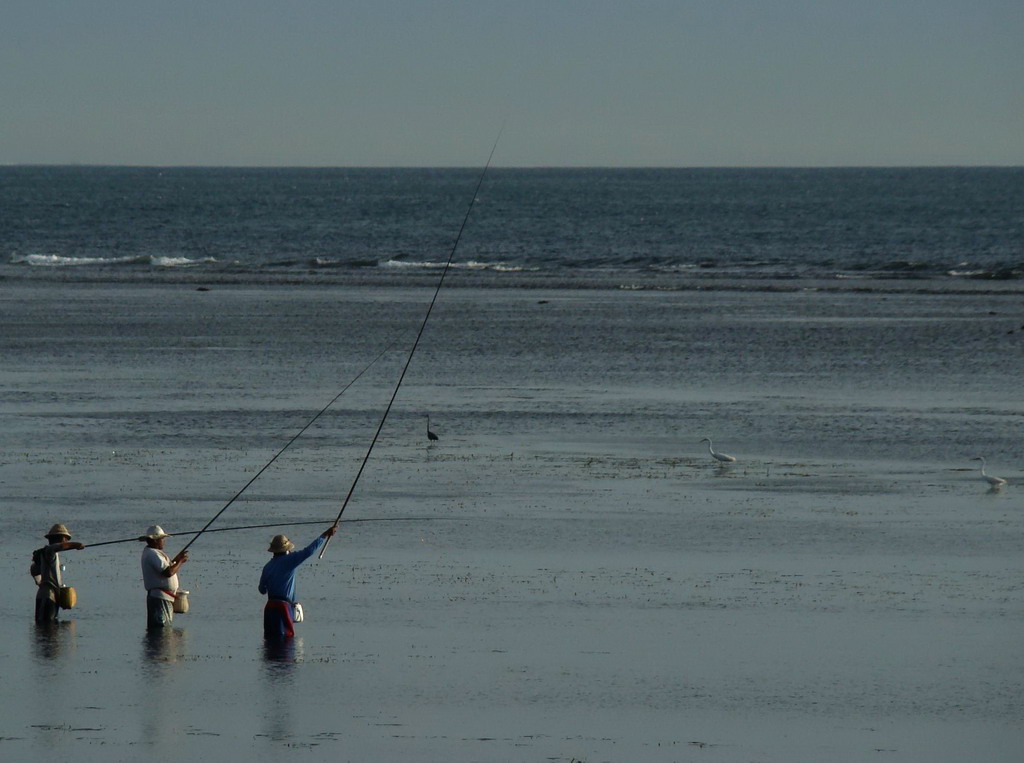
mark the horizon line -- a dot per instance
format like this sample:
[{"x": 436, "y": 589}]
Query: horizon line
[{"x": 91, "y": 165}]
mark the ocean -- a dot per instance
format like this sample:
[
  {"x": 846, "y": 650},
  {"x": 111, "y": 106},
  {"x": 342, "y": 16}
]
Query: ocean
[
  {"x": 656, "y": 228},
  {"x": 566, "y": 574}
]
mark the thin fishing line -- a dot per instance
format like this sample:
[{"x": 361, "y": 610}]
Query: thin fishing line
[
  {"x": 289, "y": 443},
  {"x": 419, "y": 334},
  {"x": 284, "y": 524}
]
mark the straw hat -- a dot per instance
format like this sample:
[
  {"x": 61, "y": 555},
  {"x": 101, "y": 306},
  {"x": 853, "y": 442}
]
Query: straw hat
[
  {"x": 280, "y": 545},
  {"x": 58, "y": 530},
  {"x": 154, "y": 532}
]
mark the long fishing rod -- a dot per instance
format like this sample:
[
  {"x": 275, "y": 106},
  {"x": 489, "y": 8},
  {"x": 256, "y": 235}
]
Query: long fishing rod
[
  {"x": 288, "y": 444},
  {"x": 282, "y": 524},
  {"x": 416, "y": 343}
]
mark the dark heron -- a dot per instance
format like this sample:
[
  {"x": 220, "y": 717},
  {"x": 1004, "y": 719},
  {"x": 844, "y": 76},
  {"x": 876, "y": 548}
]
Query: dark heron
[{"x": 430, "y": 435}]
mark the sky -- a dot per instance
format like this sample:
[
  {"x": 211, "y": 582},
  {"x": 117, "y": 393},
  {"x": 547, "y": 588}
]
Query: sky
[{"x": 652, "y": 83}]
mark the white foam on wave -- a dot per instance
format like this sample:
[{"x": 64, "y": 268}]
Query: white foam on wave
[
  {"x": 179, "y": 262},
  {"x": 60, "y": 261},
  {"x": 498, "y": 267},
  {"x": 400, "y": 264}
]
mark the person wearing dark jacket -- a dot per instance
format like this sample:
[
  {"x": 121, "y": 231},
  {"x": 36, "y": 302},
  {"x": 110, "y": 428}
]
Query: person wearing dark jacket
[{"x": 46, "y": 571}]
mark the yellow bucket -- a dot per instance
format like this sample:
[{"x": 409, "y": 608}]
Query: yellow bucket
[
  {"x": 180, "y": 602},
  {"x": 66, "y": 597}
]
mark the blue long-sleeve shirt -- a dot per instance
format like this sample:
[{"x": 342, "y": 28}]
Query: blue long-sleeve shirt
[{"x": 278, "y": 578}]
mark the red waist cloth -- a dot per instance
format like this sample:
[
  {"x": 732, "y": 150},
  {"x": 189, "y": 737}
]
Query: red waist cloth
[{"x": 277, "y": 620}]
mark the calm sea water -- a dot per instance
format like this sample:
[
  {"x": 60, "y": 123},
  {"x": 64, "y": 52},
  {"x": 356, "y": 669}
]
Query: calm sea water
[
  {"x": 645, "y": 228},
  {"x": 582, "y": 581}
]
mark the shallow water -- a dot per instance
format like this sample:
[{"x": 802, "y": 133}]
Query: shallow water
[{"x": 580, "y": 580}]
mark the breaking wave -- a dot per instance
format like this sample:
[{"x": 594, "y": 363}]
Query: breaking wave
[
  {"x": 497, "y": 267},
  {"x": 61, "y": 261}
]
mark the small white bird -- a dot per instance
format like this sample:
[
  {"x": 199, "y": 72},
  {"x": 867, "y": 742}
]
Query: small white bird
[
  {"x": 995, "y": 482},
  {"x": 723, "y": 457}
]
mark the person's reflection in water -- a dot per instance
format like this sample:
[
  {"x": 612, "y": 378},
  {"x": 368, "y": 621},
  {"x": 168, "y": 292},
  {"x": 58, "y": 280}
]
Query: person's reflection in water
[
  {"x": 162, "y": 649},
  {"x": 279, "y": 656},
  {"x": 281, "y": 659},
  {"x": 46, "y": 688},
  {"x": 53, "y": 639},
  {"x": 162, "y": 646}
]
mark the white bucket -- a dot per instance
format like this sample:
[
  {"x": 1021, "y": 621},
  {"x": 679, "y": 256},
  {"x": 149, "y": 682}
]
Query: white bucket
[{"x": 181, "y": 602}]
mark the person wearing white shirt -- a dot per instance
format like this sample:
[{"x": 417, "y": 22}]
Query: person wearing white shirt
[{"x": 160, "y": 576}]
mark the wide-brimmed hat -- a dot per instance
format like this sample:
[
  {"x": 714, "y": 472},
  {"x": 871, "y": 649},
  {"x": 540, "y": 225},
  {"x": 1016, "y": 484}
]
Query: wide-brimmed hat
[
  {"x": 280, "y": 545},
  {"x": 154, "y": 532},
  {"x": 58, "y": 529}
]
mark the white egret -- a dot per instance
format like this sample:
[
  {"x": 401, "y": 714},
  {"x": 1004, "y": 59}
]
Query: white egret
[
  {"x": 430, "y": 435},
  {"x": 995, "y": 482},
  {"x": 723, "y": 457}
]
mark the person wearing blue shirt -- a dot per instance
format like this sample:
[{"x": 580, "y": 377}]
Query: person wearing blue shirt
[{"x": 278, "y": 583}]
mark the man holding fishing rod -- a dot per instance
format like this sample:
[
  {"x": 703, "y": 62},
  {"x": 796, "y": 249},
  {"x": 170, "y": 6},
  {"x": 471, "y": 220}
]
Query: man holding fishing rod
[
  {"x": 278, "y": 583},
  {"x": 46, "y": 571},
  {"x": 160, "y": 576}
]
